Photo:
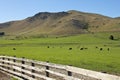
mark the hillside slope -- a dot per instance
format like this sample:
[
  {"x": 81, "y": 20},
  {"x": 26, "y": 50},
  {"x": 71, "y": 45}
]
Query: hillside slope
[{"x": 71, "y": 22}]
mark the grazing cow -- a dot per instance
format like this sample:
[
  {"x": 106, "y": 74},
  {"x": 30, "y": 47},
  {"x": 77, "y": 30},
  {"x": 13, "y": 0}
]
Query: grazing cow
[
  {"x": 81, "y": 48},
  {"x": 14, "y": 48},
  {"x": 70, "y": 48},
  {"x": 105, "y": 45},
  {"x": 101, "y": 49},
  {"x": 48, "y": 47},
  {"x": 108, "y": 49},
  {"x": 96, "y": 47},
  {"x": 85, "y": 48}
]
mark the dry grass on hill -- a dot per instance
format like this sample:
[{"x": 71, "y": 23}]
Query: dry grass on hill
[{"x": 71, "y": 22}]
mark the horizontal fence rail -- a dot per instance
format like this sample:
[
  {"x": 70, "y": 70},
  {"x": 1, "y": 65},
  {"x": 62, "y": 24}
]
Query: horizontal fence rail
[{"x": 26, "y": 69}]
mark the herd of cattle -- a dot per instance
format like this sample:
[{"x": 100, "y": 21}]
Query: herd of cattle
[
  {"x": 83, "y": 48},
  {"x": 87, "y": 48}
]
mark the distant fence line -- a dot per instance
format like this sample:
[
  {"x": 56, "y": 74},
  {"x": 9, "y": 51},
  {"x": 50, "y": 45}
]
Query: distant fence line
[{"x": 27, "y": 69}]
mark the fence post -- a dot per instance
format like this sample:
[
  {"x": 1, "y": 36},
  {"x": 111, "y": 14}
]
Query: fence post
[
  {"x": 8, "y": 67},
  {"x": 8, "y": 59},
  {"x": 22, "y": 71},
  {"x": 33, "y": 76},
  {"x": 14, "y": 60},
  {"x": 23, "y": 67},
  {"x": 69, "y": 72},
  {"x": 3, "y": 58},
  {"x": 33, "y": 64},
  {"x": 8, "y": 63},
  {"x": 3, "y": 61},
  {"x": 47, "y": 68},
  {"x": 23, "y": 62},
  {"x": 33, "y": 71}
]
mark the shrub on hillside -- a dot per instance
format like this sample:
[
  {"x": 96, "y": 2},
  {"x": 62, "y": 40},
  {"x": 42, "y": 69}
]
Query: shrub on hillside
[{"x": 2, "y": 33}]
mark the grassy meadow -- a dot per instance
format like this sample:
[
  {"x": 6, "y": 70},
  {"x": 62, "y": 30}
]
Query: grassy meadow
[{"x": 56, "y": 50}]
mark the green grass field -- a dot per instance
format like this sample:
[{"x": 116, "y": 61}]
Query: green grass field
[{"x": 58, "y": 52}]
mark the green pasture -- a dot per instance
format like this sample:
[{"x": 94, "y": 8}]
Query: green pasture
[{"x": 56, "y": 50}]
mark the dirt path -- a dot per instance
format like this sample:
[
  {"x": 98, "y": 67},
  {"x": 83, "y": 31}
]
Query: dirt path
[{"x": 3, "y": 76}]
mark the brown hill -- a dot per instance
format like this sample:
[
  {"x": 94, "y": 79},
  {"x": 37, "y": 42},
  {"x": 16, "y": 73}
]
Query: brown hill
[{"x": 71, "y": 22}]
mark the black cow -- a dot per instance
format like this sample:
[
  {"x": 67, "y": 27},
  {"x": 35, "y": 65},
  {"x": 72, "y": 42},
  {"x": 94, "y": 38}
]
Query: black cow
[
  {"x": 70, "y": 48},
  {"x": 14, "y": 48}
]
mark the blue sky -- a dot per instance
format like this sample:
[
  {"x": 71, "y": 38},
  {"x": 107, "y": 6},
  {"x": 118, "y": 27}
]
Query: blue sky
[{"x": 20, "y": 9}]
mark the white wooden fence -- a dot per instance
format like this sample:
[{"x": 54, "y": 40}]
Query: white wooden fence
[{"x": 26, "y": 69}]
